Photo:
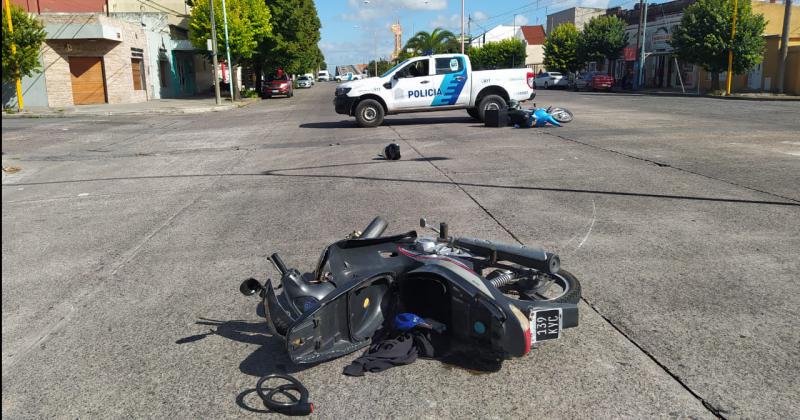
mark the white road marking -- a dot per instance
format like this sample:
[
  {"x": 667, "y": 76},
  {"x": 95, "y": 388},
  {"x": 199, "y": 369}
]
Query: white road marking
[{"x": 591, "y": 226}]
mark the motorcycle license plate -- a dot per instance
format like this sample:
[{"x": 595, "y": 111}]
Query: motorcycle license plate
[{"x": 545, "y": 325}]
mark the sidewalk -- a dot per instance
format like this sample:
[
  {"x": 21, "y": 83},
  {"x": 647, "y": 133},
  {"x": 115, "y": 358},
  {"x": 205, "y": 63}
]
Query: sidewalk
[
  {"x": 693, "y": 93},
  {"x": 155, "y": 106}
]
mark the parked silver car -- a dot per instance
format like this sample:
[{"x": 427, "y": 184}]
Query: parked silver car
[{"x": 304, "y": 82}]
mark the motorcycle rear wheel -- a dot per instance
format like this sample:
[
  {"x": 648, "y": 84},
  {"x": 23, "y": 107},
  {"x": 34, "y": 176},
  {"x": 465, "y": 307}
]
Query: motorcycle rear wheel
[{"x": 563, "y": 287}]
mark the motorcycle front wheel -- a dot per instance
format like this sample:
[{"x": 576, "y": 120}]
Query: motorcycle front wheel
[{"x": 562, "y": 115}]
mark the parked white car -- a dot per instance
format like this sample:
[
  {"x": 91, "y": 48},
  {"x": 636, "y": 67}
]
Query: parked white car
[
  {"x": 550, "y": 79},
  {"x": 432, "y": 83},
  {"x": 324, "y": 76},
  {"x": 310, "y": 77},
  {"x": 347, "y": 77}
]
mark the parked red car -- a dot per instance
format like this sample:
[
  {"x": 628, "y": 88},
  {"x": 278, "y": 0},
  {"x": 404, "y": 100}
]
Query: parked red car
[
  {"x": 593, "y": 80},
  {"x": 277, "y": 86}
]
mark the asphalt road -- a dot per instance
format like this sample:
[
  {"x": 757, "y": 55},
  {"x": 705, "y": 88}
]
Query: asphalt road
[{"x": 125, "y": 238}]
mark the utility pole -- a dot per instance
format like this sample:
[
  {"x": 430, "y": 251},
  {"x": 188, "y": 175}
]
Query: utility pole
[
  {"x": 787, "y": 16},
  {"x": 20, "y": 102},
  {"x": 469, "y": 28},
  {"x": 638, "y": 45},
  {"x": 514, "y": 37},
  {"x": 641, "y": 54},
  {"x": 462, "y": 26},
  {"x": 730, "y": 49},
  {"x": 227, "y": 48},
  {"x": 213, "y": 51}
]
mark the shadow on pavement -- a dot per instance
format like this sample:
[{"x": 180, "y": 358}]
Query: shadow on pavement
[
  {"x": 270, "y": 357},
  {"x": 390, "y": 122}
]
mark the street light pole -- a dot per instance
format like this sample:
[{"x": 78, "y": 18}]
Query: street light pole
[
  {"x": 214, "y": 51},
  {"x": 227, "y": 48},
  {"x": 787, "y": 16},
  {"x": 638, "y": 64},
  {"x": 641, "y": 53},
  {"x": 462, "y": 26},
  {"x": 514, "y": 37}
]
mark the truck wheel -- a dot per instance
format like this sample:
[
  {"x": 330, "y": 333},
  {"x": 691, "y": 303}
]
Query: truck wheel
[
  {"x": 473, "y": 112},
  {"x": 490, "y": 102},
  {"x": 369, "y": 113}
]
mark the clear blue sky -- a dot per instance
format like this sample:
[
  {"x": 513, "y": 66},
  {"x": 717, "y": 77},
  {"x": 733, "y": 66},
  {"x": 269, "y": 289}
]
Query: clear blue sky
[{"x": 355, "y": 31}]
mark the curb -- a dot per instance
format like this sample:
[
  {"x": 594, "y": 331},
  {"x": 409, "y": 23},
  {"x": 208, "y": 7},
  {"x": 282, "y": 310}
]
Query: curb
[
  {"x": 162, "y": 111},
  {"x": 730, "y": 98}
]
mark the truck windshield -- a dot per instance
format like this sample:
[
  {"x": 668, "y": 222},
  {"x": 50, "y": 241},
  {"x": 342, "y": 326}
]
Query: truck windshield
[{"x": 396, "y": 66}]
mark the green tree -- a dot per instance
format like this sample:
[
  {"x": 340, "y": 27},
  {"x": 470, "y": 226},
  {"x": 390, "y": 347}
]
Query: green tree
[
  {"x": 323, "y": 65},
  {"x": 561, "y": 49},
  {"x": 383, "y": 66},
  {"x": 293, "y": 42},
  {"x": 248, "y": 25},
  {"x": 507, "y": 53},
  {"x": 28, "y": 37},
  {"x": 602, "y": 37},
  {"x": 704, "y": 37},
  {"x": 440, "y": 41}
]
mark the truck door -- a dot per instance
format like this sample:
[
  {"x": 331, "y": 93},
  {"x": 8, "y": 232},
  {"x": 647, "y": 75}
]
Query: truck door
[
  {"x": 413, "y": 85},
  {"x": 450, "y": 78}
]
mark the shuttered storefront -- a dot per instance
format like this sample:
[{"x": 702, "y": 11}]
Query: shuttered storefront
[{"x": 88, "y": 86}]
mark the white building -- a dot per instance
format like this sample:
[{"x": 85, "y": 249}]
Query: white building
[{"x": 498, "y": 33}]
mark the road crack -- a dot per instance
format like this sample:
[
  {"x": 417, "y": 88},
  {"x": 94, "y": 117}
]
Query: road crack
[{"x": 666, "y": 165}]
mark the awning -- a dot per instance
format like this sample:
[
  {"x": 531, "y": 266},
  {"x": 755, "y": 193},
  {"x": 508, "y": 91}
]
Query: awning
[{"x": 74, "y": 31}]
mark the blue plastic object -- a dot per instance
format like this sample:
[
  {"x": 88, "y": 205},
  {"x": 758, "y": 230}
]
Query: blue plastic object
[
  {"x": 540, "y": 118},
  {"x": 407, "y": 321}
]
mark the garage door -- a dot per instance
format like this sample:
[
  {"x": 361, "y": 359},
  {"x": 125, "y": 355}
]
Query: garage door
[{"x": 87, "y": 80}]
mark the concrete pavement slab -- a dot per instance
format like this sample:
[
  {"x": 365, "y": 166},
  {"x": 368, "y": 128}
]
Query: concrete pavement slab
[{"x": 193, "y": 205}]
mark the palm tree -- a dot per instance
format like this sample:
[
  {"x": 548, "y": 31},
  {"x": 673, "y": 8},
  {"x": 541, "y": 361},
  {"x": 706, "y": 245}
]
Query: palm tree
[{"x": 440, "y": 41}]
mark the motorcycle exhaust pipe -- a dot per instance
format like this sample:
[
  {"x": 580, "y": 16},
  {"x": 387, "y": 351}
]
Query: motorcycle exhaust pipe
[{"x": 374, "y": 229}]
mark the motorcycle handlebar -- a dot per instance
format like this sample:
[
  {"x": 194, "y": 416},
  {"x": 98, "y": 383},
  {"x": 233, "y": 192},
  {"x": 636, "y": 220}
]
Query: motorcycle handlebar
[
  {"x": 278, "y": 263},
  {"x": 374, "y": 229},
  {"x": 529, "y": 257}
]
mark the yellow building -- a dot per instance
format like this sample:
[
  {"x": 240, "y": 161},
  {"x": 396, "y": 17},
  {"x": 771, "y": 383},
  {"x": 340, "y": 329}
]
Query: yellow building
[{"x": 763, "y": 78}]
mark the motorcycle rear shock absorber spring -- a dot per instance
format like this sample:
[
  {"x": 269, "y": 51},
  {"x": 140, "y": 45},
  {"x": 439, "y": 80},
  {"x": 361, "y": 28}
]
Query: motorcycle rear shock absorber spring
[{"x": 507, "y": 277}]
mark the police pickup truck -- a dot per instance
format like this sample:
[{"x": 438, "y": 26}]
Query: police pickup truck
[{"x": 432, "y": 83}]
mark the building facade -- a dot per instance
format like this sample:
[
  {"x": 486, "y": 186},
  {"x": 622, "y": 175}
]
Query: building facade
[
  {"x": 578, "y": 16},
  {"x": 662, "y": 69},
  {"x": 534, "y": 37},
  {"x": 112, "y": 51}
]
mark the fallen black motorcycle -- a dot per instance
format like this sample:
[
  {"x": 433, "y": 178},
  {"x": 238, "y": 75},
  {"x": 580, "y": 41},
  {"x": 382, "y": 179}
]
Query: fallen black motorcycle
[{"x": 494, "y": 300}]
